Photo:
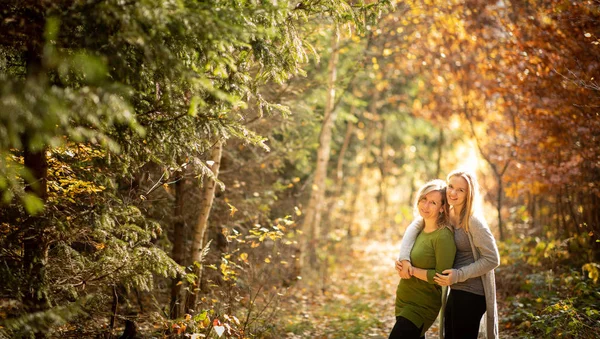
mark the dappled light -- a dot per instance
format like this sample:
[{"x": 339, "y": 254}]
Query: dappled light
[{"x": 249, "y": 169}]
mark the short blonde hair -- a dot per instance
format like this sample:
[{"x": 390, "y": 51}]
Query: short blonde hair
[
  {"x": 433, "y": 186},
  {"x": 471, "y": 198}
]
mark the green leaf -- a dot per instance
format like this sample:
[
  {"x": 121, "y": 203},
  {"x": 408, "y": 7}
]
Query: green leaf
[
  {"x": 194, "y": 103},
  {"x": 33, "y": 204},
  {"x": 90, "y": 67}
]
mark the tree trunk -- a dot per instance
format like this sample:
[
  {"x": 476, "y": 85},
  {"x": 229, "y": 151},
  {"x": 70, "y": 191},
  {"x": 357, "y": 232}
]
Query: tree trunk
[
  {"x": 178, "y": 245},
  {"x": 438, "y": 163},
  {"x": 383, "y": 163},
  {"x": 340, "y": 163},
  {"x": 208, "y": 195},
  {"x": 312, "y": 218},
  {"x": 360, "y": 183},
  {"x": 562, "y": 212},
  {"x": 574, "y": 219},
  {"x": 499, "y": 208},
  {"x": 35, "y": 242},
  {"x": 498, "y": 173}
]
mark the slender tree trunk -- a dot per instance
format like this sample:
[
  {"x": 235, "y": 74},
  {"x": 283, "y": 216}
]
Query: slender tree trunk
[
  {"x": 574, "y": 219},
  {"x": 340, "y": 163},
  {"x": 360, "y": 182},
  {"x": 438, "y": 163},
  {"x": 339, "y": 184},
  {"x": 499, "y": 207},
  {"x": 383, "y": 163},
  {"x": 353, "y": 204},
  {"x": 208, "y": 194},
  {"x": 312, "y": 218},
  {"x": 562, "y": 212},
  {"x": 35, "y": 243},
  {"x": 114, "y": 308},
  {"x": 338, "y": 189},
  {"x": 531, "y": 201},
  {"x": 595, "y": 217},
  {"x": 498, "y": 173},
  {"x": 178, "y": 245}
]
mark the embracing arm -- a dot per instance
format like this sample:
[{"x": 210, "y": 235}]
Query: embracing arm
[
  {"x": 485, "y": 244},
  {"x": 408, "y": 240}
]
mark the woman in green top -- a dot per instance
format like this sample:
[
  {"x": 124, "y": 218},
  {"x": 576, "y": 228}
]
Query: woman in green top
[{"x": 419, "y": 299}]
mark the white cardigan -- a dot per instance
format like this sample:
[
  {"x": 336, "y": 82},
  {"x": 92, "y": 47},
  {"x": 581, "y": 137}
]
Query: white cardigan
[{"x": 487, "y": 258}]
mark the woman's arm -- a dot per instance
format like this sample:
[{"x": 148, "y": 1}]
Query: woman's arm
[
  {"x": 408, "y": 240},
  {"x": 485, "y": 244}
]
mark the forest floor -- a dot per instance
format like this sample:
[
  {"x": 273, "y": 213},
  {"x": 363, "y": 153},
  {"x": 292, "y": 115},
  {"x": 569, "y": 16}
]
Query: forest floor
[{"x": 357, "y": 301}]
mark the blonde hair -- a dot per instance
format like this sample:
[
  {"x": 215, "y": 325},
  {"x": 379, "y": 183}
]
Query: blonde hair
[
  {"x": 433, "y": 186},
  {"x": 464, "y": 219}
]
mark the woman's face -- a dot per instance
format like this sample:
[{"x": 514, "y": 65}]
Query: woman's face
[
  {"x": 430, "y": 205},
  {"x": 457, "y": 190}
]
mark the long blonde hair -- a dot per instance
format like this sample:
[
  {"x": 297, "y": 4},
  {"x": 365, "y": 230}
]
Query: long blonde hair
[
  {"x": 432, "y": 186},
  {"x": 464, "y": 219}
]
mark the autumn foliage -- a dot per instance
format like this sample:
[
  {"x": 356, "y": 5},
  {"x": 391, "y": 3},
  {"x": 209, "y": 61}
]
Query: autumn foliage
[{"x": 205, "y": 169}]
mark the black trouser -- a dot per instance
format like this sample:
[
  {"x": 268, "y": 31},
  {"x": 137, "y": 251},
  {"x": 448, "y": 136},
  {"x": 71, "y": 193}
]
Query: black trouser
[
  {"x": 405, "y": 329},
  {"x": 463, "y": 314}
]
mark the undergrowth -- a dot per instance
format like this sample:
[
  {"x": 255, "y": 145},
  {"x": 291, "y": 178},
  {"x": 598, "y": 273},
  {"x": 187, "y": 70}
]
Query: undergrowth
[{"x": 549, "y": 288}]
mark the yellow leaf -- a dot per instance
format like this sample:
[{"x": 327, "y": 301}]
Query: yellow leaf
[
  {"x": 267, "y": 260},
  {"x": 232, "y": 209},
  {"x": 244, "y": 256},
  {"x": 254, "y": 244}
]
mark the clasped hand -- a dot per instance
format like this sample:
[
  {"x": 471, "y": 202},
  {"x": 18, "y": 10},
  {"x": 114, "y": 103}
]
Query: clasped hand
[
  {"x": 445, "y": 279},
  {"x": 404, "y": 269}
]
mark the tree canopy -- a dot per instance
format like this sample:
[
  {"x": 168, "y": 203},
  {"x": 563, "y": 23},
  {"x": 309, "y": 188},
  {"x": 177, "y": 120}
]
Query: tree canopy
[{"x": 193, "y": 166}]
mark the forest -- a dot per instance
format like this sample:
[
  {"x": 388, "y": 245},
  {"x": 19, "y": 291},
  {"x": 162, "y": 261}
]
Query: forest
[{"x": 247, "y": 168}]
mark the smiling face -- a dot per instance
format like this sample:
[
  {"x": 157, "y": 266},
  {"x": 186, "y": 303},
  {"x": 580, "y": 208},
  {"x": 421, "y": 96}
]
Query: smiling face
[
  {"x": 457, "y": 191},
  {"x": 430, "y": 205}
]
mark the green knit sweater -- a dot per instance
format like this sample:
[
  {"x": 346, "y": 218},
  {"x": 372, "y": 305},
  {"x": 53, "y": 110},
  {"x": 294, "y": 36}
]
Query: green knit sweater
[{"x": 417, "y": 300}]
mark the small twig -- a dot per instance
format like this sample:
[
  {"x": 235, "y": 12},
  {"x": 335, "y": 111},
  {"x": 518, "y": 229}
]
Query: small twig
[
  {"x": 85, "y": 281},
  {"x": 156, "y": 184}
]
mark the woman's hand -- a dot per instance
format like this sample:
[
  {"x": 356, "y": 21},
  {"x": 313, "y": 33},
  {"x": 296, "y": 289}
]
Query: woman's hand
[
  {"x": 404, "y": 268},
  {"x": 447, "y": 277}
]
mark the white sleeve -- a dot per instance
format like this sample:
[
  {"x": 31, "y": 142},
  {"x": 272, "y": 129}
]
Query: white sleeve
[{"x": 408, "y": 240}]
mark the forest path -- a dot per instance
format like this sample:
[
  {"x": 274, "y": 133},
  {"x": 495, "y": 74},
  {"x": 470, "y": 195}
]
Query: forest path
[{"x": 358, "y": 301}]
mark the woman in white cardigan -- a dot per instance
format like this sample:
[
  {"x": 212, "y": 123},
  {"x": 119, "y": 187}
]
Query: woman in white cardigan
[{"x": 471, "y": 280}]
